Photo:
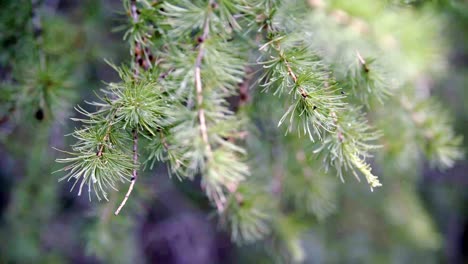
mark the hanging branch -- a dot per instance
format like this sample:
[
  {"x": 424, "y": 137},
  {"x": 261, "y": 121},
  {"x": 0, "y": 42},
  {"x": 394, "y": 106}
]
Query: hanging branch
[
  {"x": 199, "y": 87},
  {"x": 217, "y": 70},
  {"x": 303, "y": 93},
  {"x": 106, "y": 136},
  {"x": 135, "y": 171},
  {"x": 138, "y": 61},
  {"x": 185, "y": 111},
  {"x": 291, "y": 63},
  {"x": 219, "y": 201},
  {"x": 320, "y": 104}
]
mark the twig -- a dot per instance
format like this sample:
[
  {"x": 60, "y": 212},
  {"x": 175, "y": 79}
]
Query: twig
[
  {"x": 219, "y": 201},
  {"x": 137, "y": 53},
  {"x": 199, "y": 87},
  {"x": 362, "y": 61},
  {"x": 105, "y": 139},
  {"x": 135, "y": 170},
  {"x": 292, "y": 74},
  {"x": 107, "y": 135}
]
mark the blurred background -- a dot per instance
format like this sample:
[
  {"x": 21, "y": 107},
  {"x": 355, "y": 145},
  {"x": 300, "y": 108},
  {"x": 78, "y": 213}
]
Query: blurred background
[{"x": 170, "y": 221}]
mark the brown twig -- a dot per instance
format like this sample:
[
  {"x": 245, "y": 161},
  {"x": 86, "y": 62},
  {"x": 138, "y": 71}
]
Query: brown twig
[
  {"x": 106, "y": 136},
  {"x": 138, "y": 51},
  {"x": 291, "y": 73},
  {"x": 218, "y": 200},
  {"x": 105, "y": 139},
  {"x": 135, "y": 170},
  {"x": 141, "y": 54},
  {"x": 362, "y": 61},
  {"x": 199, "y": 86}
]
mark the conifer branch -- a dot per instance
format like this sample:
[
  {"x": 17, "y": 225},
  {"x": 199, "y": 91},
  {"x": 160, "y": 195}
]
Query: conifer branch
[
  {"x": 187, "y": 111},
  {"x": 312, "y": 105},
  {"x": 198, "y": 84},
  {"x": 135, "y": 170},
  {"x": 106, "y": 136},
  {"x": 138, "y": 51},
  {"x": 293, "y": 75},
  {"x": 294, "y": 70},
  {"x": 366, "y": 169}
]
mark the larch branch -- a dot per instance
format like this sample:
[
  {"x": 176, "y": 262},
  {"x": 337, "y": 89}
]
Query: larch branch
[
  {"x": 135, "y": 170},
  {"x": 137, "y": 54},
  {"x": 199, "y": 85},
  {"x": 291, "y": 73}
]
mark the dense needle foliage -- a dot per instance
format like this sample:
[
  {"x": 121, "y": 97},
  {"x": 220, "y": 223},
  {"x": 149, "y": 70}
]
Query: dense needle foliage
[{"x": 175, "y": 95}]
